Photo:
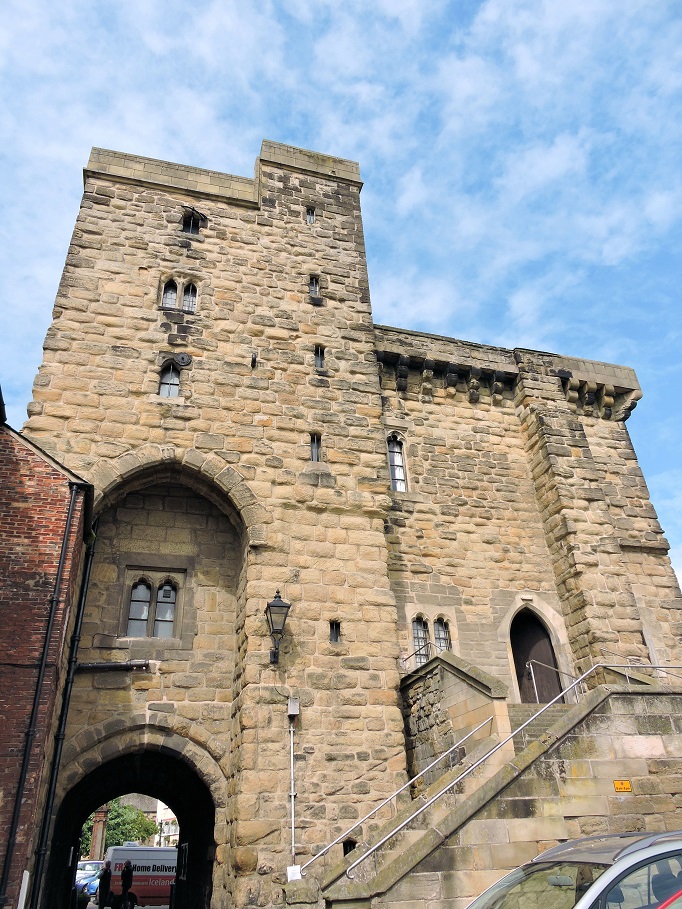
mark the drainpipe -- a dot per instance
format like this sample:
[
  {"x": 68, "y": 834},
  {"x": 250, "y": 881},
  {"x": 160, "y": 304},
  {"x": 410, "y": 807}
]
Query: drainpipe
[
  {"x": 41, "y": 851},
  {"x": 31, "y": 731}
]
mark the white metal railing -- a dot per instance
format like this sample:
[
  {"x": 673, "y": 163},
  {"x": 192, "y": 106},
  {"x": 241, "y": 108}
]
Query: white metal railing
[
  {"x": 469, "y": 770},
  {"x": 390, "y": 798},
  {"x": 559, "y": 672}
]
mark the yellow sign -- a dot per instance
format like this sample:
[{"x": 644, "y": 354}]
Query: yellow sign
[{"x": 622, "y": 785}]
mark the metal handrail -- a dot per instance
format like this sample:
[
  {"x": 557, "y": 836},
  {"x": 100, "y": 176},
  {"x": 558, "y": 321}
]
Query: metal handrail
[
  {"x": 529, "y": 666},
  {"x": 476, "y": 764},
  {"x": 427, "y": 646},
  {"x": 636, "y": 662},
  {"x": 385, "y": 802}
]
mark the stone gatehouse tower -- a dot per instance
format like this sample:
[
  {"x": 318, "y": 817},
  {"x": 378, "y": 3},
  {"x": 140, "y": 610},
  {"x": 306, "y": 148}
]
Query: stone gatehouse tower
[{"x": 214, "y": 371}]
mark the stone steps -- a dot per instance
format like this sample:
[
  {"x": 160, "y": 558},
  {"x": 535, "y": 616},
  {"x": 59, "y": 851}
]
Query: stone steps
[
  {"x": 521, "y": 713},
  {"x": 421, "y": 835}
]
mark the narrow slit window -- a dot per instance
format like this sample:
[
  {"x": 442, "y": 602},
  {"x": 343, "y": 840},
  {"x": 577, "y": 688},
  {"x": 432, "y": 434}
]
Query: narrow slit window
[
  {"x": 420, "y": 640},
  {"x": 189, "y": 298},
  {"x": 396, "y": 464},
  {"x": 169, "y": 381},
  {"x": 138, "y": 609},
  {"x": 441, "y": 635},
  {"x": 314, "y": 285},
  {"x": 170, "y": 295},
  {"x": 334, "y": 632},
  {"x": 310, "y": 215},
  {"x": 319, "y": 356},
  {"x": 164, "y": 616},
  {"x": 191, "y": 222},
  {"x": 315, "y": 446}
]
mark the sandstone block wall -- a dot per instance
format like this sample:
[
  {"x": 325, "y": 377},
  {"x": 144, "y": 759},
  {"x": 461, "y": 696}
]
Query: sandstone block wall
[
  {"x": 567, "y": 792},
  {"x": 239, "y": 431},
  {"x": 523, "y": 492}
]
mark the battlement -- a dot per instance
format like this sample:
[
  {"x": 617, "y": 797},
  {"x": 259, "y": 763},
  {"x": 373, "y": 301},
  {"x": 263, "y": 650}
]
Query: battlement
[
  {"x": 301, "y": 159},
  {"x": 125, "y": 168}
]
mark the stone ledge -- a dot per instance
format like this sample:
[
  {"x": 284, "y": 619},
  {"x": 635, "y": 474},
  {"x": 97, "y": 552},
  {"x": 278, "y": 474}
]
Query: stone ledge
[
  {"x": 313, "y": 162},
  {"x": 125, "y": 168}
]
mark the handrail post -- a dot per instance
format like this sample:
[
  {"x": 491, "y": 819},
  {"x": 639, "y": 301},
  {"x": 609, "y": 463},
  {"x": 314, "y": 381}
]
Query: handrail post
[{"x": 529, "y": 666}]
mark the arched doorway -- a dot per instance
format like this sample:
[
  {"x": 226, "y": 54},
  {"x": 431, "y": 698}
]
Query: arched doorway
[
  {"x": 530, "y": 640},
  {"x": 161, "y": 775}
]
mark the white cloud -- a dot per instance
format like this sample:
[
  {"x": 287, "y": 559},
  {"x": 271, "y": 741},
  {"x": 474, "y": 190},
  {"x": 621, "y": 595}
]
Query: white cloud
[{"x": 521, "y": 157}]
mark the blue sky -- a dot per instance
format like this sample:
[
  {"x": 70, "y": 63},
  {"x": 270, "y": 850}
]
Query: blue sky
[{"x": 521, "y": 160}]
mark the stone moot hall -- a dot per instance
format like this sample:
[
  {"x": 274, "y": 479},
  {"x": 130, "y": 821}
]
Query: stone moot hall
[{"x": 267, "y": 561}]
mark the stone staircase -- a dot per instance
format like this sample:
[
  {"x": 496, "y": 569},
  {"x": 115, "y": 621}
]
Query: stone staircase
[
  {"x": 521, "y": 713},
  {"x": 433, "y": 830}
]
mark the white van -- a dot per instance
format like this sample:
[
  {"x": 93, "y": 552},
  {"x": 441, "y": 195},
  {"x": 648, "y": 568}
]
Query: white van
[{"x": 153, "y": 872}]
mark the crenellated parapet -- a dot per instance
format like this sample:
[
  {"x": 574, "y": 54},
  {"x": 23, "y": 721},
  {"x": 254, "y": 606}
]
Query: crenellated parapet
[{"x": 421, "y": 364}]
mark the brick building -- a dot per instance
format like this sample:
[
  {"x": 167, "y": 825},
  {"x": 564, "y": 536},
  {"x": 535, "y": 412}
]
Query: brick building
[
  {"x": 438, "y": 513},
  {"x": 44, "y": 516}
]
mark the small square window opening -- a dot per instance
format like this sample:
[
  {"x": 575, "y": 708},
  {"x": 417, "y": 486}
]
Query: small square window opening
[
  {"x": 334, "y": 632},
  {"x": 319, "y": 356},
  {"x": 315, "y": 446},
  {"x": 192, "y": 222}
]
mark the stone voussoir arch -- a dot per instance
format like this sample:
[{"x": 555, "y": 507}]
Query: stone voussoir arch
[
  {"x": 97, "y": 745},
  {"x": 108, "y": 473}
]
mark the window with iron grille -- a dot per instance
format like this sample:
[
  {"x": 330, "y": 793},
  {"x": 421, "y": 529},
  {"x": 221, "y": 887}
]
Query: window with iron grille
[
  {"x": 319, "y": 356},
  {"x": 189, "y": 298},
  {"x": 170, "y": 295},
  {"x": 179, "y": 292},
  {"x": 169, "y": 381},
  {"x": 441, "y": 635},
  {"x": 315, "y": 446},
  {"x": 310, "y": 214},
  {"x": 192, "y": 222},
  {"x": 152, "y": 606},
  {"x": 420, "y": 640},
  {"x": 314, "y": 285},
  {"x": 396, "y": 464},
  {"x": 334, "y": 632}
]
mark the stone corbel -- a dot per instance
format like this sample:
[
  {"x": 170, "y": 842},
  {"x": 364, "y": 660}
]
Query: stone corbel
[
  {"x": 427, "y": 379},
  {"x": 474, "y": 385},
  {"x": 627, "y": 404},
  {"x": 588, "y": 397},
  {"x": 402, "y": 372}
]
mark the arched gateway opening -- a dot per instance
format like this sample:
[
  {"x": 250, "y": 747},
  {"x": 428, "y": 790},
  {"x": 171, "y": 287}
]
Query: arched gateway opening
[
  {"x": 161, "y": 775},
  {"x": 530, "y": 642}
]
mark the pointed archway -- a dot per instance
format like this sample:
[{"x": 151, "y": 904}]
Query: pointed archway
[
  {"x": 530, "y": 641},
  {"x": 161, "y": 775}
]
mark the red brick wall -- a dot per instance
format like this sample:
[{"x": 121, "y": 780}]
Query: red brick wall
[{"x": 34, "y": 502}]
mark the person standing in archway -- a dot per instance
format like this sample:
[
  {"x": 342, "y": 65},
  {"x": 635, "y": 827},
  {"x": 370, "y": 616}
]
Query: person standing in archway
[
  {"x": 104, "y": 885},
  {"x": 126, "y": 882}
]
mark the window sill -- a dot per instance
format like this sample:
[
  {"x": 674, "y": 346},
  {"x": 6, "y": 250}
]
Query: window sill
[
  {"x": 151, "y": 648},
  {"x": 183, "y": 402},
  {"x": 409, "y": 496}
]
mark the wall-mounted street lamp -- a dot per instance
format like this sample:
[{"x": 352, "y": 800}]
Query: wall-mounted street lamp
[{"x": 276, "y": 613}]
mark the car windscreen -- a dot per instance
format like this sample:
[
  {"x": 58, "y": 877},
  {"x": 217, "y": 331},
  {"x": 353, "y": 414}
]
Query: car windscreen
[{"x": 554, "y": 885}]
